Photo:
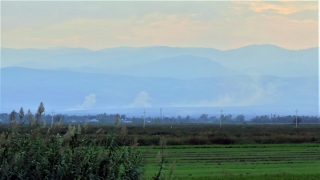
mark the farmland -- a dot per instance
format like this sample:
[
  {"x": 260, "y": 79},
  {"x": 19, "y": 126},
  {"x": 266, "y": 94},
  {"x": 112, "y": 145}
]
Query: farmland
[
  {"x": 228, "y": 161},
  {"x": 206, "y": 151},
  {"x": 235, "y": 151}
]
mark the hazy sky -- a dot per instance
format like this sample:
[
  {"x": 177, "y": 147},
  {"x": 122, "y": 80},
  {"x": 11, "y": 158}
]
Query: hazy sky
[{"x": 97, "y": 25}]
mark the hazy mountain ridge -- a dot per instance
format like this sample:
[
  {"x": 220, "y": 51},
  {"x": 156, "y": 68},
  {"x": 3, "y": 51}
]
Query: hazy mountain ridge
[
  {"x": 72, "y": 79},
  {"x": 66, "y": 90},
  {"x": 181, "y": 67},
  {"x": 252, "y": 60}
]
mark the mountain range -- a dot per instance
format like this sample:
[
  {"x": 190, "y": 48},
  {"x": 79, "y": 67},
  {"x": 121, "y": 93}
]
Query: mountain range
[
  {"x": 73, "y": 80},
  {"x": 250, "y": 60}
]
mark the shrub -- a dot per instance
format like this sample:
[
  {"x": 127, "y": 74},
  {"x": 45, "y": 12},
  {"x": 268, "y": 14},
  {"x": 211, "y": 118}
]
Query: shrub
[
  {"x": 32, "y": 155},
  {"x": 221, "y": 140},
  {"x": 198, "y": 140}
]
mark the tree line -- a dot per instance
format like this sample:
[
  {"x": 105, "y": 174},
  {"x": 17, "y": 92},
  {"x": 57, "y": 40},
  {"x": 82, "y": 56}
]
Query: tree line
[{"x": 104, "y": 118}]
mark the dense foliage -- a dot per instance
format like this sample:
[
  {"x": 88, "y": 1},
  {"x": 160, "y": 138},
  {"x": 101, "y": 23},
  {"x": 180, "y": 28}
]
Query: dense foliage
[
  {"x": 197, "y": 134},
  {"x": 27, "y": 154}
]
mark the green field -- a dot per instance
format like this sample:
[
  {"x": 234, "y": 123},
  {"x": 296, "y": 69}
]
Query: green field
[
  {"x": 238, "y": 152},
  {"x": 270, "y": 161}
]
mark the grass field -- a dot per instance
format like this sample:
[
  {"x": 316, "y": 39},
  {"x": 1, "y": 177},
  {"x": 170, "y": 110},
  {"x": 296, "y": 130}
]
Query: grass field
[
  {"x": 271, "y": 161},
  {"x": 235, "y": 152}
]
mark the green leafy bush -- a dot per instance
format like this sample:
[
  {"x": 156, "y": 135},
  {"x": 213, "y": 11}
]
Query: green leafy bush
[{"x": 32, "y": 155}]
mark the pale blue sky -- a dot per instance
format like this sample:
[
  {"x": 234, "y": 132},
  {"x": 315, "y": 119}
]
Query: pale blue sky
[{"x": 97, "y": 25}]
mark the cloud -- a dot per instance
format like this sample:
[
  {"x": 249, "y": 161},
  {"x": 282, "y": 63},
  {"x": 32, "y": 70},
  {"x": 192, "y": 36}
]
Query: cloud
[
  {"x": 291, "y": 25},
  {"x": 245, "y": 94},
  {"x": 142, "y": 100},
  {"x": 280, "y": 7},
  {"x": 89, "y": 101}
]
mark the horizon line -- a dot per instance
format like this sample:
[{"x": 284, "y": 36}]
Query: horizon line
[{"x": 137, "y": 47}]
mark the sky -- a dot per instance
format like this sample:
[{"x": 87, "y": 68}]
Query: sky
[{"x": 96, "y": 25}]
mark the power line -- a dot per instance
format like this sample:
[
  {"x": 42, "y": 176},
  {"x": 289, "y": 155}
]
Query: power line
[
  {"x": 220, "y": 117},
  {"x": 52, "y": 118},
  {"x": 297, "y": 117},
  {"x": 144, "y": 119}
]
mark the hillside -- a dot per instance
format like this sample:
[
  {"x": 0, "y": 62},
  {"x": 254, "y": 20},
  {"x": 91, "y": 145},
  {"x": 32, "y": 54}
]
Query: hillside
[{"x": 66, "y": 90}]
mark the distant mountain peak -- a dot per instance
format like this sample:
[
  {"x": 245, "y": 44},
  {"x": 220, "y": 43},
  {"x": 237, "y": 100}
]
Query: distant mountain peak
[{"x": 268, "y": 47}]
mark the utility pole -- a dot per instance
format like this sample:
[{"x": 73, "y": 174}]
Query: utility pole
[
  {"x": 297, "y": 118},
  {"x": 271, "y": 118},
  {"x": 161, "y": 113},
  {"x": 52, "y": 118},
  {"x": 144, "y": 119},
  {"x": 220, "y": 117}
]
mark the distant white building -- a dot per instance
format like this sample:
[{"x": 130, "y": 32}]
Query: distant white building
[
  {"x": 126, "y": 121},
  {"x": 94, "y": 121}
]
